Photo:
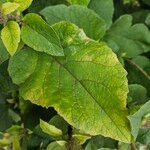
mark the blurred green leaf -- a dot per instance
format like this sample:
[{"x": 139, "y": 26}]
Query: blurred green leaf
[
  {"x": 86, "y": 19},
  {"x": 104, "y": 8},
  {"x": 138, "y": 94},
  {"x": 144, "y": 136},
  {"x": 5, "y": 119},
  {"x": 80, "y": 2},
  {"x": 147, "y": 21},
  {"x": 38, "y": 5},
  {"x": 136, "y": 75},
  {"x": 131, "y": 39},
  {"x": 140, "y": 16},
  {"x": 98, "y": 142},
  {"x": 147, "y": 2}
]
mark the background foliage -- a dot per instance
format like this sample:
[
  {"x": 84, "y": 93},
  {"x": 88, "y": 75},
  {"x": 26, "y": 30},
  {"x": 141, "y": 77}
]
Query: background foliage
[{"x": 45, "y": 43}]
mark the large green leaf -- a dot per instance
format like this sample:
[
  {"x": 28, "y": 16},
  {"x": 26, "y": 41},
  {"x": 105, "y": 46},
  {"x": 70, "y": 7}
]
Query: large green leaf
[
  {"x": 84, "y": 18},
  {"x": 131, "y": 39},
  {"x": 135, "y": 119},
  {"x": 104, "y": 8},
  {"x": 83, "y": 87},
  {"x": 80, "y": 2},
  {"x": 11, "y": 36},
  {"x": 73, "y": 107},
  {"x": 37, "y": 34}
]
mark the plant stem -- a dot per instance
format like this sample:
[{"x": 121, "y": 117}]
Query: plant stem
[{"x": 133, "y": 146}]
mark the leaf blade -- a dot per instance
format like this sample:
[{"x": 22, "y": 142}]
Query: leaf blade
[
  {"x": 11, "y": 36},
  {"x": 40, "y": 36},
  {"x": 50, "y": 129},
  {"x": 71, "y": 85},
  {"x": 9, "y": 7},
  {"x": 22, "y": 4}
]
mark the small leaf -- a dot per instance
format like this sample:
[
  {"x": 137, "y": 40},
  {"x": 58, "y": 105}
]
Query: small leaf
[
  {"x": 9, "y": 7},
  {"x": 16, "y": 143},
  {"x": 23, "y": 4},
  {"x": 37, "y": 34},
  {"x": 80, "y": 2},
  {"x": 57, "y": 120},
  {"x": 50, "y": 129},
  {"x": 14, "y": 130},
  {"x": 11, "y": 36},
  {"x": 81, "y": 139},
  {"x": 15, "y": 117},
  {"x": 135, "y": 119},
  {"x": 58, "y": 145},
  {"x": 84, "y": 18},
  {"x": 4, "y": 142}
]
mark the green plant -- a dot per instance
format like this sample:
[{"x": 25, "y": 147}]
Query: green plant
[{"x": 74, "y": 75}]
